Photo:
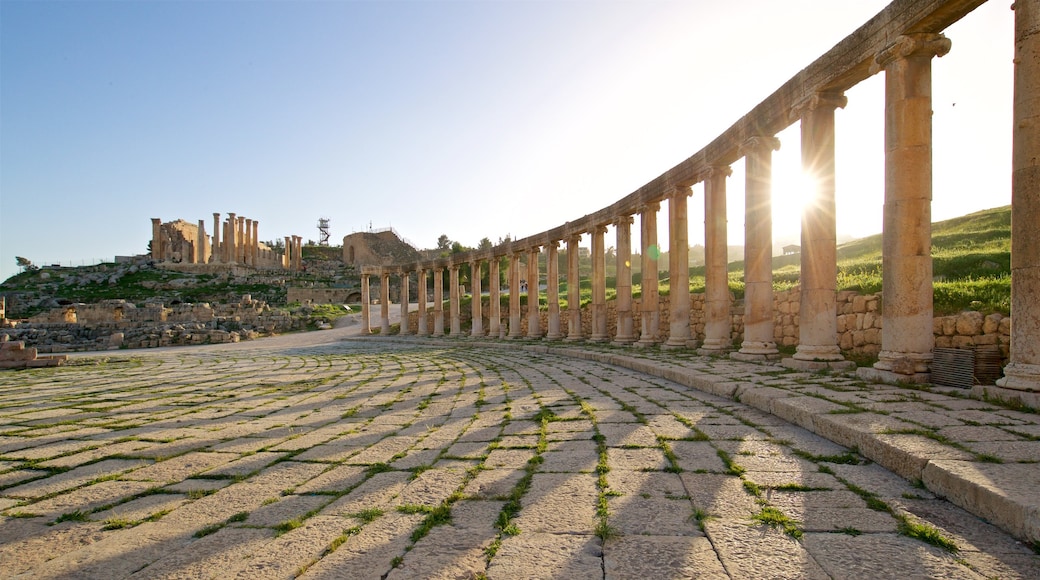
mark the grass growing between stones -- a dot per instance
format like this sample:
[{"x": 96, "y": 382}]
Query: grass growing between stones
[
  {"x": 775, "y": 518},
  {"x": 926, "y": 533}
]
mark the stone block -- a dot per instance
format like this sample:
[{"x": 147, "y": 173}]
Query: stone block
[
  {"x": 859, "y": 304},
  {"x": 963, "y": 341},
  {"x": 991, "y": 325},
  {"x": 970, "y": 323}
]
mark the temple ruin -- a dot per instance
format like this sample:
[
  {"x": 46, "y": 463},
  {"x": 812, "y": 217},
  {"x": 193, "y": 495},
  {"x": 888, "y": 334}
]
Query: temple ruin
[{"x": 234, "y": 242}]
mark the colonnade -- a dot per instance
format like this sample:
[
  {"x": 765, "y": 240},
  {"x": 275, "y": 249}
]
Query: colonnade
[
  {"x": 235, "y": 241},
  {"x": 899, "y": 43}
]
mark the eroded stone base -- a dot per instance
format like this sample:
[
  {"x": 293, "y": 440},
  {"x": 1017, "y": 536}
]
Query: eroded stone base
[
  {"x": 748, "y": 357},
  {"x": 882, "y": 376},
  {"x": 1013, "y": 396}
]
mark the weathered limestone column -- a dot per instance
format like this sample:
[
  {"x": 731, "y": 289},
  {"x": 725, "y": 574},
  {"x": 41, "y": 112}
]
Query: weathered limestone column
[
  {"x": 552, "y": 289},
  {"x": 623, "y": 231},
  {"x": 214, "y": 255},
  {"x": 651, "y": 316},
  {"x": 438, "y": 301},
  {"x": 679, "y": 271},
  {"x": 299, "y": 252},
  {"x": 226, "y": 249},
  {"x": 599, "y": 286},
  {"x": 818, "y": 326},
  {"x": 534, "y": 321},
  {"x": 230, "y": 240},
  {"x": 573, "y": 289},
  {"x": 247, "y": 246},
  {"x": 287, "y": 256},
  {"x": 1021, "y": 380},
  {"x": 717, "y": 324},
  {"x": 454, "y": 300},
  {"x": 906, "y": 251},
  {"x": 157, "y": 239},
  {"x": 255, "y": 245},
  {"x": 514, "y": 295},
  {"x": 494, "y": 298},
  {"x": 405, "y": 327},
  {"x": 758, "y": 342},
  {"x": 475, "y": 307},
  {"x": 200, "y": 243},
  {"x": 240, "y": 241},
  {"x": 422, "y": 327},
  {"x": 384, "y": 303},
  {"x": 366, "y": 306}
]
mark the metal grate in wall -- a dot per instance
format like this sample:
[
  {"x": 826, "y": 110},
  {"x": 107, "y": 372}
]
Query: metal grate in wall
[{"x": 964, "y": 368}]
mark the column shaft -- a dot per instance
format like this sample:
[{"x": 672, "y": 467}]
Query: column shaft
[
  {"x": 494, "y": 298},
  {"x": 405, "y": 326},
  {"x": 623, "y": 230},
  {"x": 534, "y": 321},
  {"x": 214, "y": 255},
  {"x": 366, "y": 305},
  {"x": 758, "y": 251},
  {"x": 599, "y": 286},
  {"x": 552, "y": 289},
  {"x": 422, "y": 326},
  {"x": 157, "y": 239},
  {"x": 906, "y": 260},
  {"x": 474, "y": 281},
  {"x": 514, "y": 295},
  {"x": 384, "y": 303},
  {"x": 649, "y": 253},
  {"x": 1023, "y": 373},
  {"x": 454, "y": 300},
  {"x": 438, "y": 302},
  {"x": 573, "y": 290},
  {"x": 717, "y": 324},
  {"x": 818, "y": 327},
  {"x": 679, "y": 270}
]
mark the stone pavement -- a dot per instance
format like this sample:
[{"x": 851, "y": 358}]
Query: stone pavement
[{"x": 377, "y": 458}]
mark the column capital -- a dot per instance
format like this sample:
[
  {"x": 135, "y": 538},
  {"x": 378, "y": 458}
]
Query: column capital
[
  {"x": 758, "y": 143},
  {"x": 715, "y": 171},
  {"x": 534, "y": 249},
  {"x": 598, "y": 229},
  {"x": 680, "y": 190},
  {"x": 574, "y": 238},
  {"x": 653, "y": 206},
  {"x": 824, "y": 100},
  {"x": 623, "y": 220},
  {"x": 553, "y": 245},
  {"x": 920, "y": 43}
]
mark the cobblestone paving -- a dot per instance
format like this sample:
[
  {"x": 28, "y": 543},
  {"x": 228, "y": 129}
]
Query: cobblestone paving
[{"x": 368, "y": 459}]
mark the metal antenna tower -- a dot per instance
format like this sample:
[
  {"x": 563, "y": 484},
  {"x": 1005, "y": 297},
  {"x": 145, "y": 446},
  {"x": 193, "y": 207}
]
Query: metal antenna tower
[{"x": 323, "y": 231}]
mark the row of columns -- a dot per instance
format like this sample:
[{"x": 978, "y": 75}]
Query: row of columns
[{"x": 907, "y": 338}]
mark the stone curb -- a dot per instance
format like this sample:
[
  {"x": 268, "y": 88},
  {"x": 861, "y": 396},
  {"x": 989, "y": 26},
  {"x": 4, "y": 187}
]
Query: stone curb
[{"x": 1002, "y": 494}]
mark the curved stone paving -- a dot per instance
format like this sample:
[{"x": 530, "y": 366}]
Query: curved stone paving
[{"x": 369, "y": 459}]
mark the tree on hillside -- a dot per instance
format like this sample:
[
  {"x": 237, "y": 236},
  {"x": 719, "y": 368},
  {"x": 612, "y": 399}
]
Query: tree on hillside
[
  {"x": 444, "y": 243},
  {"x": 25, "y": 264},
  {"x": 485, "y": 244}
]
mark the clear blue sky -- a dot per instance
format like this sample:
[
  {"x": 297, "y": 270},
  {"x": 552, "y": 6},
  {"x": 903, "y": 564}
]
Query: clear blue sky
[{"x": 466, "y": 118}]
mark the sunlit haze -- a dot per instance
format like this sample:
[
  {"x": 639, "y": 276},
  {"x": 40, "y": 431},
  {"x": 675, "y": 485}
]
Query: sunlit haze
[{"x": 471, "y": 119}]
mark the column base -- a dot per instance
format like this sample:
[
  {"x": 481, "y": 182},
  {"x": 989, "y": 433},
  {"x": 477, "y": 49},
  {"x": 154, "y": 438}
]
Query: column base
[
  {"x": 599, "y": 338},
  {"x": 575, "y": 338},
  {"x": 904, "y": 363},
  {"x": 816, "y": 365},
  {"x": 556, "y": 336},
  {"x": 754, "y": 357},
  {"x": 876, "y": 375},
  {"x": 816, "y": 353},
  {"x": 624, "y": 340},
  {"x": 679, "y": 343},
  {"x": 1006, "y": 395}
]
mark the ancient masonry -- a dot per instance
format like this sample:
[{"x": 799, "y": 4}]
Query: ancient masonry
[
  {"x": 235, "y": 241},
  {"x": 900, "y": 43}
]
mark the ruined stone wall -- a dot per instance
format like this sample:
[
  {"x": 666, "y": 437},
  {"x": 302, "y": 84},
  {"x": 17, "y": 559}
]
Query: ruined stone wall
[{"x": 858, "y": 318}]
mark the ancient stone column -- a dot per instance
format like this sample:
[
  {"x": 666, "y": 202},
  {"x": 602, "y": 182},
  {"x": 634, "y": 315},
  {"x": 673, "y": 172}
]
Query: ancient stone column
[
  {"x": 405, "y": 327},
  {"x": 157, "y": 239},
  {"x": 247, "y": 245},
  {"x": 256, "y": 243},
  {"x": 214, "y": 255},
  {"x": 599, "y": 286},
  {"x": 514, "y": 295},
  {"x": 230, "y": 240},
  {"x": 200, "y": 243},
  {"x": 240, "y": 241},
  {"x": 422, "y": 326},
  {"x": 534, "y": 321},
  {"x": 717, "y": 324},
  {"x": 494, "y": 298},
  {"x": 818, "y": 326},
  {"x": 552, "y": 289},
  {"x": 758, "y": 342},
  {"x": 573, "y": 290},
  {"x": 287, "y": 257},
  {"x": 623, "y": 231},
  {"x": 299, "y": 251},
  {"x": 906, "y": 247},
  {"x": 366, "y": 305},
  {"x": 438, "y": 301},
  {"x": 651, "y": 316},
  {"x": 475, "y": 307},
  {"x": 454, "y": 300},
  {"x": 1021, "y": 380},
  {"x": 679, "y": 270},
  {"x": 384, "y": 303}
]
